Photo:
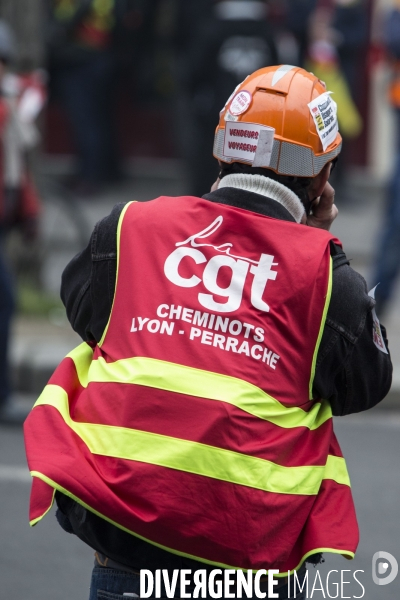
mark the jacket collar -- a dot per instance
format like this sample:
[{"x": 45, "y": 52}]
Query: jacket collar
[
  {"x": 264, "y": 186},
  {"x": 268, "y": 204}
]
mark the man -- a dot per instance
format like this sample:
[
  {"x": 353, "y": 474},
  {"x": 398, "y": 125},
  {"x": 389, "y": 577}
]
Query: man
[
  {"x": 217, "y": 43},
  {"x": 387, "y": 265},
  {"x": 194, "y": 429},
  {"x": 19, "y": 202},
  {"x": 81, "y": 61}
]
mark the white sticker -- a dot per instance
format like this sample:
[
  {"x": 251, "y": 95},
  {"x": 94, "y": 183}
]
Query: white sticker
[
  {"x": 265, "y": 144},
  {"x": 376, "y": 328},
  {"x": 324, "y": 112},
  {"x": 280, "y": 73},
  {"x": 229, "y": 117},
  {"x": 241, "y": 140},
  {"x": 240, "y": 103}
]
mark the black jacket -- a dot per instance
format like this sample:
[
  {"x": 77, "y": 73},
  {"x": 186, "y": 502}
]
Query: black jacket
[{"x": 351, "y": 372}]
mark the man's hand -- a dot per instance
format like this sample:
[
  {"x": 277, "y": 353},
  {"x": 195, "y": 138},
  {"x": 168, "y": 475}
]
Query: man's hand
[{"x": 324, "y": 209}]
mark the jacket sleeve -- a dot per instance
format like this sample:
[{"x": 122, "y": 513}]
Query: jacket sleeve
[
  {"x": 351, "y": 371},
  {"x": 88, "y": 281}
]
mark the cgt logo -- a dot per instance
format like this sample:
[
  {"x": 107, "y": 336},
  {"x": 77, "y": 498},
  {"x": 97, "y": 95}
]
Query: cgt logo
[
  {"x": 239, "y": 268},
  {"x": 381, "y": 561}
]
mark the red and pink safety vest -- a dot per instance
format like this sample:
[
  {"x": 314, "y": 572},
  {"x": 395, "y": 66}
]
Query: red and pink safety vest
[{"x": 192, "y": 424}]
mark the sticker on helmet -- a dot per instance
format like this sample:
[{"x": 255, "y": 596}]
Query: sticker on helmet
[
  {"x": 243, "y": 141},
  {"x": 240, "y": 103},
  {"x": 232, "y": 95},
  {"x": 280, "y": 73},
  {"x": 324, "y": 112},
  {"x": 229, "y": 117},
  {"x": 262, "y": 157}
]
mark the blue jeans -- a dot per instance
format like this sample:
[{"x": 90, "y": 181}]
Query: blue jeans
[{"x": 111, "y": 584}]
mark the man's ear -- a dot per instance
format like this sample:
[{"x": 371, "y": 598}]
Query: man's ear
[{"x": 319, "y": 182}]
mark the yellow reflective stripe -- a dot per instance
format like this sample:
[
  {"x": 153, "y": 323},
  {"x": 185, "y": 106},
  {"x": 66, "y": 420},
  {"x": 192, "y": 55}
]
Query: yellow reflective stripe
[
  {"x": 194, "y": 457},
  {"x": 346, "y": 553},
  {"x": 121, "y": 218},
  {"x": 181, "y": 379},
  {"x": 336, "y": 469},
  {"x": 321, "y": 329},
  {"x": 82, "y": 357},
  {"x": 34, "y": 521}
]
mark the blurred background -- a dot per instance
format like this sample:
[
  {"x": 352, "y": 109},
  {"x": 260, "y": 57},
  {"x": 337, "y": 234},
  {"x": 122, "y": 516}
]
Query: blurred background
[{"x": 103, "y": 101}]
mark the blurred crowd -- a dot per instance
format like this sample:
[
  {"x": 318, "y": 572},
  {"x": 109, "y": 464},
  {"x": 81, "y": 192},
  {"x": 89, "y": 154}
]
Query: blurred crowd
[
  {"x": 189, "y": 56},
  {"x": 108, "y": 61}
]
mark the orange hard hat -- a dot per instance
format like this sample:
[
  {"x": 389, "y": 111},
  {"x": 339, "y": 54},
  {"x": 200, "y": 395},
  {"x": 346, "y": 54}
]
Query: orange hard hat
[{"x": 281, "y": 118}]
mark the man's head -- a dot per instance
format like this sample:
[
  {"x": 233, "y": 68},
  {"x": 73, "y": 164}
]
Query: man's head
[{"x": 281, "y": 123}]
